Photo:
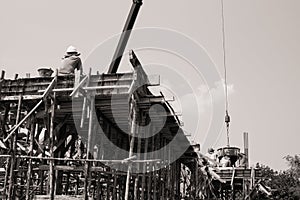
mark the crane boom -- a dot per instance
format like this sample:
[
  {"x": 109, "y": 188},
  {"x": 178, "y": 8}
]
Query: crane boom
[{"x": 114, "y": 65}]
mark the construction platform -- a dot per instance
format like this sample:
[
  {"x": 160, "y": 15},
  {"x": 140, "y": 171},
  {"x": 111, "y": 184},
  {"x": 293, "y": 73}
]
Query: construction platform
[
  {"x": 103, "y": 136},
  {"x": 90, "y": 135}
]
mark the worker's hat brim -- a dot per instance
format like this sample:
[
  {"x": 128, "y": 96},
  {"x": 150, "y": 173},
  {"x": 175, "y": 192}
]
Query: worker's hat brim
[{"x": 72, "y": 53}]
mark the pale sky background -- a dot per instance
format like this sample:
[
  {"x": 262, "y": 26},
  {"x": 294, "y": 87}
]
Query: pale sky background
[{"x": 262, "y": 53}]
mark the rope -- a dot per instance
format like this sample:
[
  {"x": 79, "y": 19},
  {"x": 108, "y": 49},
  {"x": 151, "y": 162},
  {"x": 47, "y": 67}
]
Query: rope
[
  {"x": 227, "y": 118},
  {"x": 224, "y": 54}
]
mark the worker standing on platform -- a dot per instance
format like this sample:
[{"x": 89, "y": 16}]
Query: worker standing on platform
[
  {"x": 242, "y": 160},
  {"x": 70, "y": 62},
  {"x": 225, "y": 161},
  {"x": 212, "y": 156}
]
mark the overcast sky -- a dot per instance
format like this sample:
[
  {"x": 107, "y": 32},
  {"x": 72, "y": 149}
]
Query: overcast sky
[{"x": 262, "y": 53}]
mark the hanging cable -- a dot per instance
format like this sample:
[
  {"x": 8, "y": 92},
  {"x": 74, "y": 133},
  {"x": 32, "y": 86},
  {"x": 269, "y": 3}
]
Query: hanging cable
[{"x": 227, "y": 117}]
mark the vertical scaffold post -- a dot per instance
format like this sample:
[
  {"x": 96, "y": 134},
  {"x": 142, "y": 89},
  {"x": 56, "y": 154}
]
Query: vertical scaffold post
[
  {"x": 11, "y": 188},
  {"x": 51, "y": 139},
  {"x": 33, "y": 131},
  {"x": 132, "y": 131},
  {"x": 89, "y": 147},
  {"x": 146, "y": 133}
]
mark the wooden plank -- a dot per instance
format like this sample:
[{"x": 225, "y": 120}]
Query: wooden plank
[
  {"x": 91, "y": 88},
  {"x": 58, "y": 197},
  {"x": 125, "y": 161},
  {"x": 25, "y": 97}
]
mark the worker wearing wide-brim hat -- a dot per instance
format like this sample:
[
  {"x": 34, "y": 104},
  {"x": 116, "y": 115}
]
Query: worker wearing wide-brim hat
[{"x": 70, "y": 62}]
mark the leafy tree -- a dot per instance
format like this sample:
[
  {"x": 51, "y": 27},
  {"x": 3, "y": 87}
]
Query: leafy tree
[
  {"x": 284, "y": 184},
  {"x": 294, "y": 164}
]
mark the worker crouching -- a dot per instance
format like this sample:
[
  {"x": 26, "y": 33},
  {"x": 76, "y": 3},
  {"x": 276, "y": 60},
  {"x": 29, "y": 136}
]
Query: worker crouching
[{"x": 71, "y": 62}]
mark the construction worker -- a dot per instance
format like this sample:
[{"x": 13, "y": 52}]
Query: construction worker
[
  {"x": 225, "y": 161},
  {"x": 70, "y": 62},
  {"x": 242, "y": 160},
  {"x": 212, "y": 156}
]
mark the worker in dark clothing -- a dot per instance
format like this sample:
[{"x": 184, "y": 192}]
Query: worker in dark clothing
[{"x": 70, "y": 62}]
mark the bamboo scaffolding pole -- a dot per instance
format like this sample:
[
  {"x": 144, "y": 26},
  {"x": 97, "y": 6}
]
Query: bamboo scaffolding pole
[
  {"x": 151, "y": 166},
  {"x": 83, "y": 81},
  {"x": 87, "y": 164},
  {"x": 177, "y": 178},
  {"x": 98, "y": 187},
  {"x": 155, "y": 169},
  {"x": 114, "y": 197},
  {"x": 85, "y": 99},
  {"x": 159, "y": 154},
  {"x": 169, "y": 174},
  {"x": 197, "y": 177},
  {"x": 11, "y": 189},
  {"x": 109, "y": 185},
  {"x": 33, "y": 131},
  {"x": 133, "y": 131},
  {"x": 51, "y": 140},
  {"x": 125, "y": 161},
  {"x": 7, "y": 158},
  {"x": 6, "y": 173},
  {"x": 91, "y": 88},
  {"x": 136, "y": 182},
  {"x": 172, "y": 181},
  {"x": 145, "y": 164},
  {"x": 163, "y": 143}
]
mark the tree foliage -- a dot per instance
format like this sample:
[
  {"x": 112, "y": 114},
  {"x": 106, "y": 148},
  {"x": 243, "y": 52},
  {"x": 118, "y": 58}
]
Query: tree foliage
[{"x": 284, "y": 184}]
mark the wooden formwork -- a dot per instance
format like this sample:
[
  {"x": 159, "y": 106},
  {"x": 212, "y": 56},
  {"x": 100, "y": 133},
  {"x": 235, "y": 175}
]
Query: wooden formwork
[{"x": 79, "y": 136}]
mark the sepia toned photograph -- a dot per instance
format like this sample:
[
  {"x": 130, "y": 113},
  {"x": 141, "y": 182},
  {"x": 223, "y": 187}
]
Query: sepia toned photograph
[{"x": 149, "y": 100}]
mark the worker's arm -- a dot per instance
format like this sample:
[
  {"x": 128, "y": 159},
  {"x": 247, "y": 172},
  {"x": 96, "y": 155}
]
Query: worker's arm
[{"x": 79, "y": 66}]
